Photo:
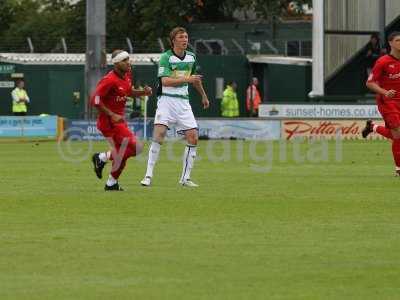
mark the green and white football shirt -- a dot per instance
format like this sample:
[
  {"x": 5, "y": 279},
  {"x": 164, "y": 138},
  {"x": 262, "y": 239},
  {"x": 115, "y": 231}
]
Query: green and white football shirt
[{"x": 171, "y": 65}]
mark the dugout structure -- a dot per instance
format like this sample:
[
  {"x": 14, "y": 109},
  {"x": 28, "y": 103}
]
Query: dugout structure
[{"x": 341, "y": 29}]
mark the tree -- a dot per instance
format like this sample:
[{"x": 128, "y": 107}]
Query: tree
[
  {"x": 15, "y": 17},
  {"x": 268, "y": 9},
  {"x": 75, "y": 32},
  {"x": 7, "y": 14},
  {"x": 46, "y": 21},
  {"x": 158, "y": 16}
]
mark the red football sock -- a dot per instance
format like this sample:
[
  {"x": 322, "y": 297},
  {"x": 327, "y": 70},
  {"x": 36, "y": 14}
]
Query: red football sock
[
  {"x": 396, "y": 152},
  {"x": 117, "y": 168},
  {"x": 382, "y": 130},
  {"x": 119, "y": 159}
]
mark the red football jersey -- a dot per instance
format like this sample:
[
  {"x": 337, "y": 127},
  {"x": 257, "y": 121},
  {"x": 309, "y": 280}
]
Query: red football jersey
[
  {"x": 386, "y": 73},
  {"x": 111, "y": 91}
]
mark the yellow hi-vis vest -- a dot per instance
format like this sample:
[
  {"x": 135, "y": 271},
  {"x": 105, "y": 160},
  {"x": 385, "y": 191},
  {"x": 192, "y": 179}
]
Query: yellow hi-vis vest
[
  {"x": 230, "y": 103},
  {"x": 19, "y": 106}
]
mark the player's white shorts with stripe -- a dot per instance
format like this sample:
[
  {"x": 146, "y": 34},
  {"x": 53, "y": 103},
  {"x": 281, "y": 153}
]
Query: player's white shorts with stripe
[{"x": 175, "y": 111}]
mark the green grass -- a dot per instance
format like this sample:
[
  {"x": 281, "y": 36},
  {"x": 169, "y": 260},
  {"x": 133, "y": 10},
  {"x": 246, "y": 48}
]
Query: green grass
[{"x": 312, "y": 230}]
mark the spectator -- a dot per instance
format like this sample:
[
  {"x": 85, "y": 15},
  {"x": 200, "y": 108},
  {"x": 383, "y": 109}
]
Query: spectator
[
  {"x": 135, "y": 108},
  {"x": 19, "y": 99},
  {"x": 141, "y": 101},
  {"x": 253, "y": 98},
  {"x": 129, "y": 108},
  {"x": 230, "y": 103},
  {"x": 374, "y": 51}
]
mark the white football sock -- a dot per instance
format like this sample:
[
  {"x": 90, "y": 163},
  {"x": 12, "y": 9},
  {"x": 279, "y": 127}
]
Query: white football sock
[
  {"x": 105, "y": 156},
  {"x": 111, "y": 180},
  {"x": 153, "y": 157},
  {"x": 188, "y": 161}
]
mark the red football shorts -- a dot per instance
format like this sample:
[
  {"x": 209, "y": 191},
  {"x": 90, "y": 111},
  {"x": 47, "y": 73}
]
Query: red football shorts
[
  {"x": 118, "y": 133},
  {"x": 390, "y": 112}
]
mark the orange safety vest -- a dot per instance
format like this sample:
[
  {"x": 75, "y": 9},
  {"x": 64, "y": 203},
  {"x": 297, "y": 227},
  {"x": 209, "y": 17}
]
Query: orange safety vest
[{"x": 252, "y": 92}]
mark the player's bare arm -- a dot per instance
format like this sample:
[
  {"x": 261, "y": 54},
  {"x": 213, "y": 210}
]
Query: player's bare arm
[
  {"x": 147, "y": 91},
  {"x": 373, "y": 86},
  {"x": 114, "y": 117},
  {"x": 204, "y": 99}
]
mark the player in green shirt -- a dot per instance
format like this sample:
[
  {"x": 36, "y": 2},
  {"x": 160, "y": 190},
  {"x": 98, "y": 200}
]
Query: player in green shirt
[{"x": 177, "y": 69}]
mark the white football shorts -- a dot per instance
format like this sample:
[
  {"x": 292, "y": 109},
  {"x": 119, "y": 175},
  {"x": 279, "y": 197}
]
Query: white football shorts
[{"x": 175, "y": 111}]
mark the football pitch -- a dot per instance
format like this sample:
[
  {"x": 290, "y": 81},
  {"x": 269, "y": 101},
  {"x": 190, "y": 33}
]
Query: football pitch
[{"x": 314, "y": 222}]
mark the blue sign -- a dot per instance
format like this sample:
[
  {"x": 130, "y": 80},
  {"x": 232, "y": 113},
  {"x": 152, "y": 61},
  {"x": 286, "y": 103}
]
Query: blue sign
[
  {"x": 235, "y": 129},
  {"x": 87, "y": 130},
  {"x": 208, "y": 128},
  {"x": 28, "y": 126}
]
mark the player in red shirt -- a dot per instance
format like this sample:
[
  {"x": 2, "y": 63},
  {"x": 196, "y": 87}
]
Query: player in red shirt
[
  {"x": 384, "y": 80},
  {"x": 109, "y": 98}
]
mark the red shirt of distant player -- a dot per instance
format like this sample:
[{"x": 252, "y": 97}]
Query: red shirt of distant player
[
  {"x": 386, "y": 73},
  {"x": 112, "y": 91}
]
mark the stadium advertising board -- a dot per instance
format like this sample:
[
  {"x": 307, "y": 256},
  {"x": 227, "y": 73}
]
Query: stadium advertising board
[
  {"x": 7, "y": 84},
  {"x": 328, "y": 129},
  {"x": 240, "y": 129},
  {"x": 237, "y": 129},
  {"x": 7, "y": 69},
  {"x": 87, "y": 130},
  {"x": 307, "y": 111},
  {"x": 28, "y": 126},
  {"x": 212, "y": 129}
]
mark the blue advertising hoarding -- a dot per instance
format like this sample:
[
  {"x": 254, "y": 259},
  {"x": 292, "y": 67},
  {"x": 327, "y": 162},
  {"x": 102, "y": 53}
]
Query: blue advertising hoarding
[
  {"x": 29, "y": 126},
  {"x": 86, "y": 130},
  {"x": 208, "y": 128}
]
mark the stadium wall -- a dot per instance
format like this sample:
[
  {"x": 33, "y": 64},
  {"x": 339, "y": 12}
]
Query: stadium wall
[
  {"x": 277, "y": 121},
  {"x": 285, "y": 83},
  {"x": 241, "y": 129},
  {"x": 52, "y": 127},
  {"x": 59, "y": 89},
  {"x": 53, "y": 89},
  {"x": 277, "y": 33}
]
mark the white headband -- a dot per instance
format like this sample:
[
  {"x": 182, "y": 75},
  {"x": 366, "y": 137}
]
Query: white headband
[{"x": 120, "y": 57}]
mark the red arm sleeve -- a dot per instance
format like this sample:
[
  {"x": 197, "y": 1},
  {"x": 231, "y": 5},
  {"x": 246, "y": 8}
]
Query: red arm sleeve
[
  {"x": 377, "y": 72},
  {"x": 102, "y": 89}
]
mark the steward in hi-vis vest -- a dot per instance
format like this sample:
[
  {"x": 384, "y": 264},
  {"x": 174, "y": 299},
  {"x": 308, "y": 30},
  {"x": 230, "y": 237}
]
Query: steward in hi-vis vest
[
  {"x": 230, "y": 103},
  {"x": 19, "y": 99}
]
